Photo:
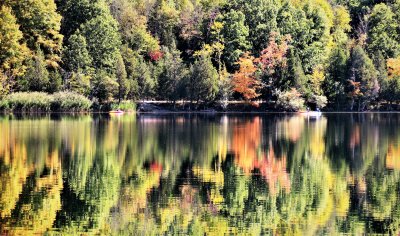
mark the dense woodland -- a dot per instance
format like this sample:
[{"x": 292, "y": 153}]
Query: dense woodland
[{"x": 344, "y": 54}]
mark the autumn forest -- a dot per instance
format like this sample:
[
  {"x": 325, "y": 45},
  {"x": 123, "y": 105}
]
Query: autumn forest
[{"x": 342, "y": 55}]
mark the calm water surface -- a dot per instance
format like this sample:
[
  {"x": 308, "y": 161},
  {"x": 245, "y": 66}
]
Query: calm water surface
[{"x": 200, "y": 174}]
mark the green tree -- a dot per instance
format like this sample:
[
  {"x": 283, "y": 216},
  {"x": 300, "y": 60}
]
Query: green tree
[
  {"x": 363, "y": 72},
  {"x": 294, "y": 76},
  {"x": 36, "y": 77},
  {"x": 338, "y": 58},
  {"x": 235, "y": 34},
  {"x": 133, "y": 26},
  {"x": 380, "y": 64},
  {"x": 309, "y": 27},
  {"x": 103, "y": 41},
  {"x": 163, "y": 21},
  {"x": 55, "y": 81},
  {"x": 261, "y": 18},
  {"x": 202, "y": 83},
  {"x": 103, "y": 86},
  {"x": 173, "y": 73},
  {"x": 122, "y": 79},
  {"x": 390, "y": 89},
  {"x": 389, "y": 78},
  {"x": 396, "y": 10},
  {"x": 77, "y": 12},
  {"x": 337, "y": 75},
  {"x": 383, "y": 31},
  {"x": 78, "y": 64},
  {"x": 139, "y": 72},
  {"x": 79, "y": 82},
  {"x": 144, "y": 75},
  {"x": 40, "y": 24},
  {"x": 76, "y": 55},
  {"x": 341, "y": 26}
]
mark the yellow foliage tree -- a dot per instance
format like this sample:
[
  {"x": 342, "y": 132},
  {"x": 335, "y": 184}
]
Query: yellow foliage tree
[
  {"x": 12, "y": 52},
  {"x": 393, "y": 66},
  {"x": 316, "y": 79}
]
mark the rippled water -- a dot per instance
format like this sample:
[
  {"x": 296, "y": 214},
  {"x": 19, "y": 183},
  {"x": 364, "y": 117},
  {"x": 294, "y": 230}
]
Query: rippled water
[{"x": 200, "y": 174}]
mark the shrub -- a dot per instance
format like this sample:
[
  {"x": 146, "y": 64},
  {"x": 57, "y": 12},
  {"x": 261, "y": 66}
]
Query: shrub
[
  {"x": 320, "y": 101},
  {"x": 128, "y": 106},
  {"x": 290, "y": 100},
  {"x": 70, "y": 101},
  {"x": 4, "y": 105},
  {"x": 27, "y": 102}
]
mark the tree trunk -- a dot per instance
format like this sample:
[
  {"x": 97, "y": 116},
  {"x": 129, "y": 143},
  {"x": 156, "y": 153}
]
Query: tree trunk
[{"x": 352, "y": 104}]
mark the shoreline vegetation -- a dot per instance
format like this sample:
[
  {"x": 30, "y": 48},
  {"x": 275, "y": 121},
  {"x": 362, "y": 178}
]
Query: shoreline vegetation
[
  {"x": 101, "y": 55},
  {"x": 71, "y": 102}
]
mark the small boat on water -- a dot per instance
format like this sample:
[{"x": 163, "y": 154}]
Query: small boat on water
[
  {"x": 117, "y": 112},
  {"x": 311, "y": 113}
]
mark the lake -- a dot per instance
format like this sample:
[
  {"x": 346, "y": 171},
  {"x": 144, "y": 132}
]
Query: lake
[{"x": 200, "y": 174}]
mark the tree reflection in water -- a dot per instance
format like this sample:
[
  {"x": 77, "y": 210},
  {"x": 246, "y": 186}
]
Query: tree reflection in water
[{"x": 200, "y": 174}]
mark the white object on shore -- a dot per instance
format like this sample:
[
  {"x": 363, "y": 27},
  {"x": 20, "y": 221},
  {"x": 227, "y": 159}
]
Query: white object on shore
[{"x": 312, "y": 113}]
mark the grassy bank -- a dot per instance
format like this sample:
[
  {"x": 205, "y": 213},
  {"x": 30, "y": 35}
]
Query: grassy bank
[
  {"x": 126, "y": 106},
  {"x": 43, "y": 102},
  {"x": 57, "y": 102}
]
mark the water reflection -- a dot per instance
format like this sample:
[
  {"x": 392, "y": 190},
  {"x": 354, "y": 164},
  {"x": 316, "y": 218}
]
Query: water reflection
[{"x": 198, "y": 174}]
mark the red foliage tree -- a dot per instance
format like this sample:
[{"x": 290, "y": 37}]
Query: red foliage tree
[
  {"x": 155, "y": 55},
  {"x": 274, "y": 55}
]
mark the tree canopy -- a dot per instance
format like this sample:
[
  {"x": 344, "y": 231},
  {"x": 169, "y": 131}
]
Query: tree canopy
[{"x": 312, "y": 46}]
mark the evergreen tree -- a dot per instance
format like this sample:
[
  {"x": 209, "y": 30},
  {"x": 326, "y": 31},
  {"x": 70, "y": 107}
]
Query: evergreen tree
[
  {"x": 202, "y": 83},
  {"x": 79, "y": 82},
  {"x": 173, "y": 73},
  {"x": 37, "y": 75},
  {"x": 122, "y": 80},
  {"x": 55, "y": 81},
  {"x": 293, "y": 76},
  {"x": 78, "y": 12},
  {"x": 103, "y": 86},
  {"x": 363, "y": 77},
  {"x": 140, "y": 79},
  {"x": 337, "y": 75},
  {"x": 144, "y": 75},
  {"x": 76, "y": 55}
]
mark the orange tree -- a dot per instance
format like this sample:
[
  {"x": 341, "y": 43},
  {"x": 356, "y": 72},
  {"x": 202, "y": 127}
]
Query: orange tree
[{"x": 244, "y": 80}]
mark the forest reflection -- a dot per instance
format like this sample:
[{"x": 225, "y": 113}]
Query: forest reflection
[{"x": 200, "y": 174}]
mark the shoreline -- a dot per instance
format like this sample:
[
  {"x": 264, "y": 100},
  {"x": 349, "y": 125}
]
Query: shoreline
[{"x": 195, "y": 112}]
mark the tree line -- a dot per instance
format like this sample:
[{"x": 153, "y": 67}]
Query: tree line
[{"x": 340, "y": 54}]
